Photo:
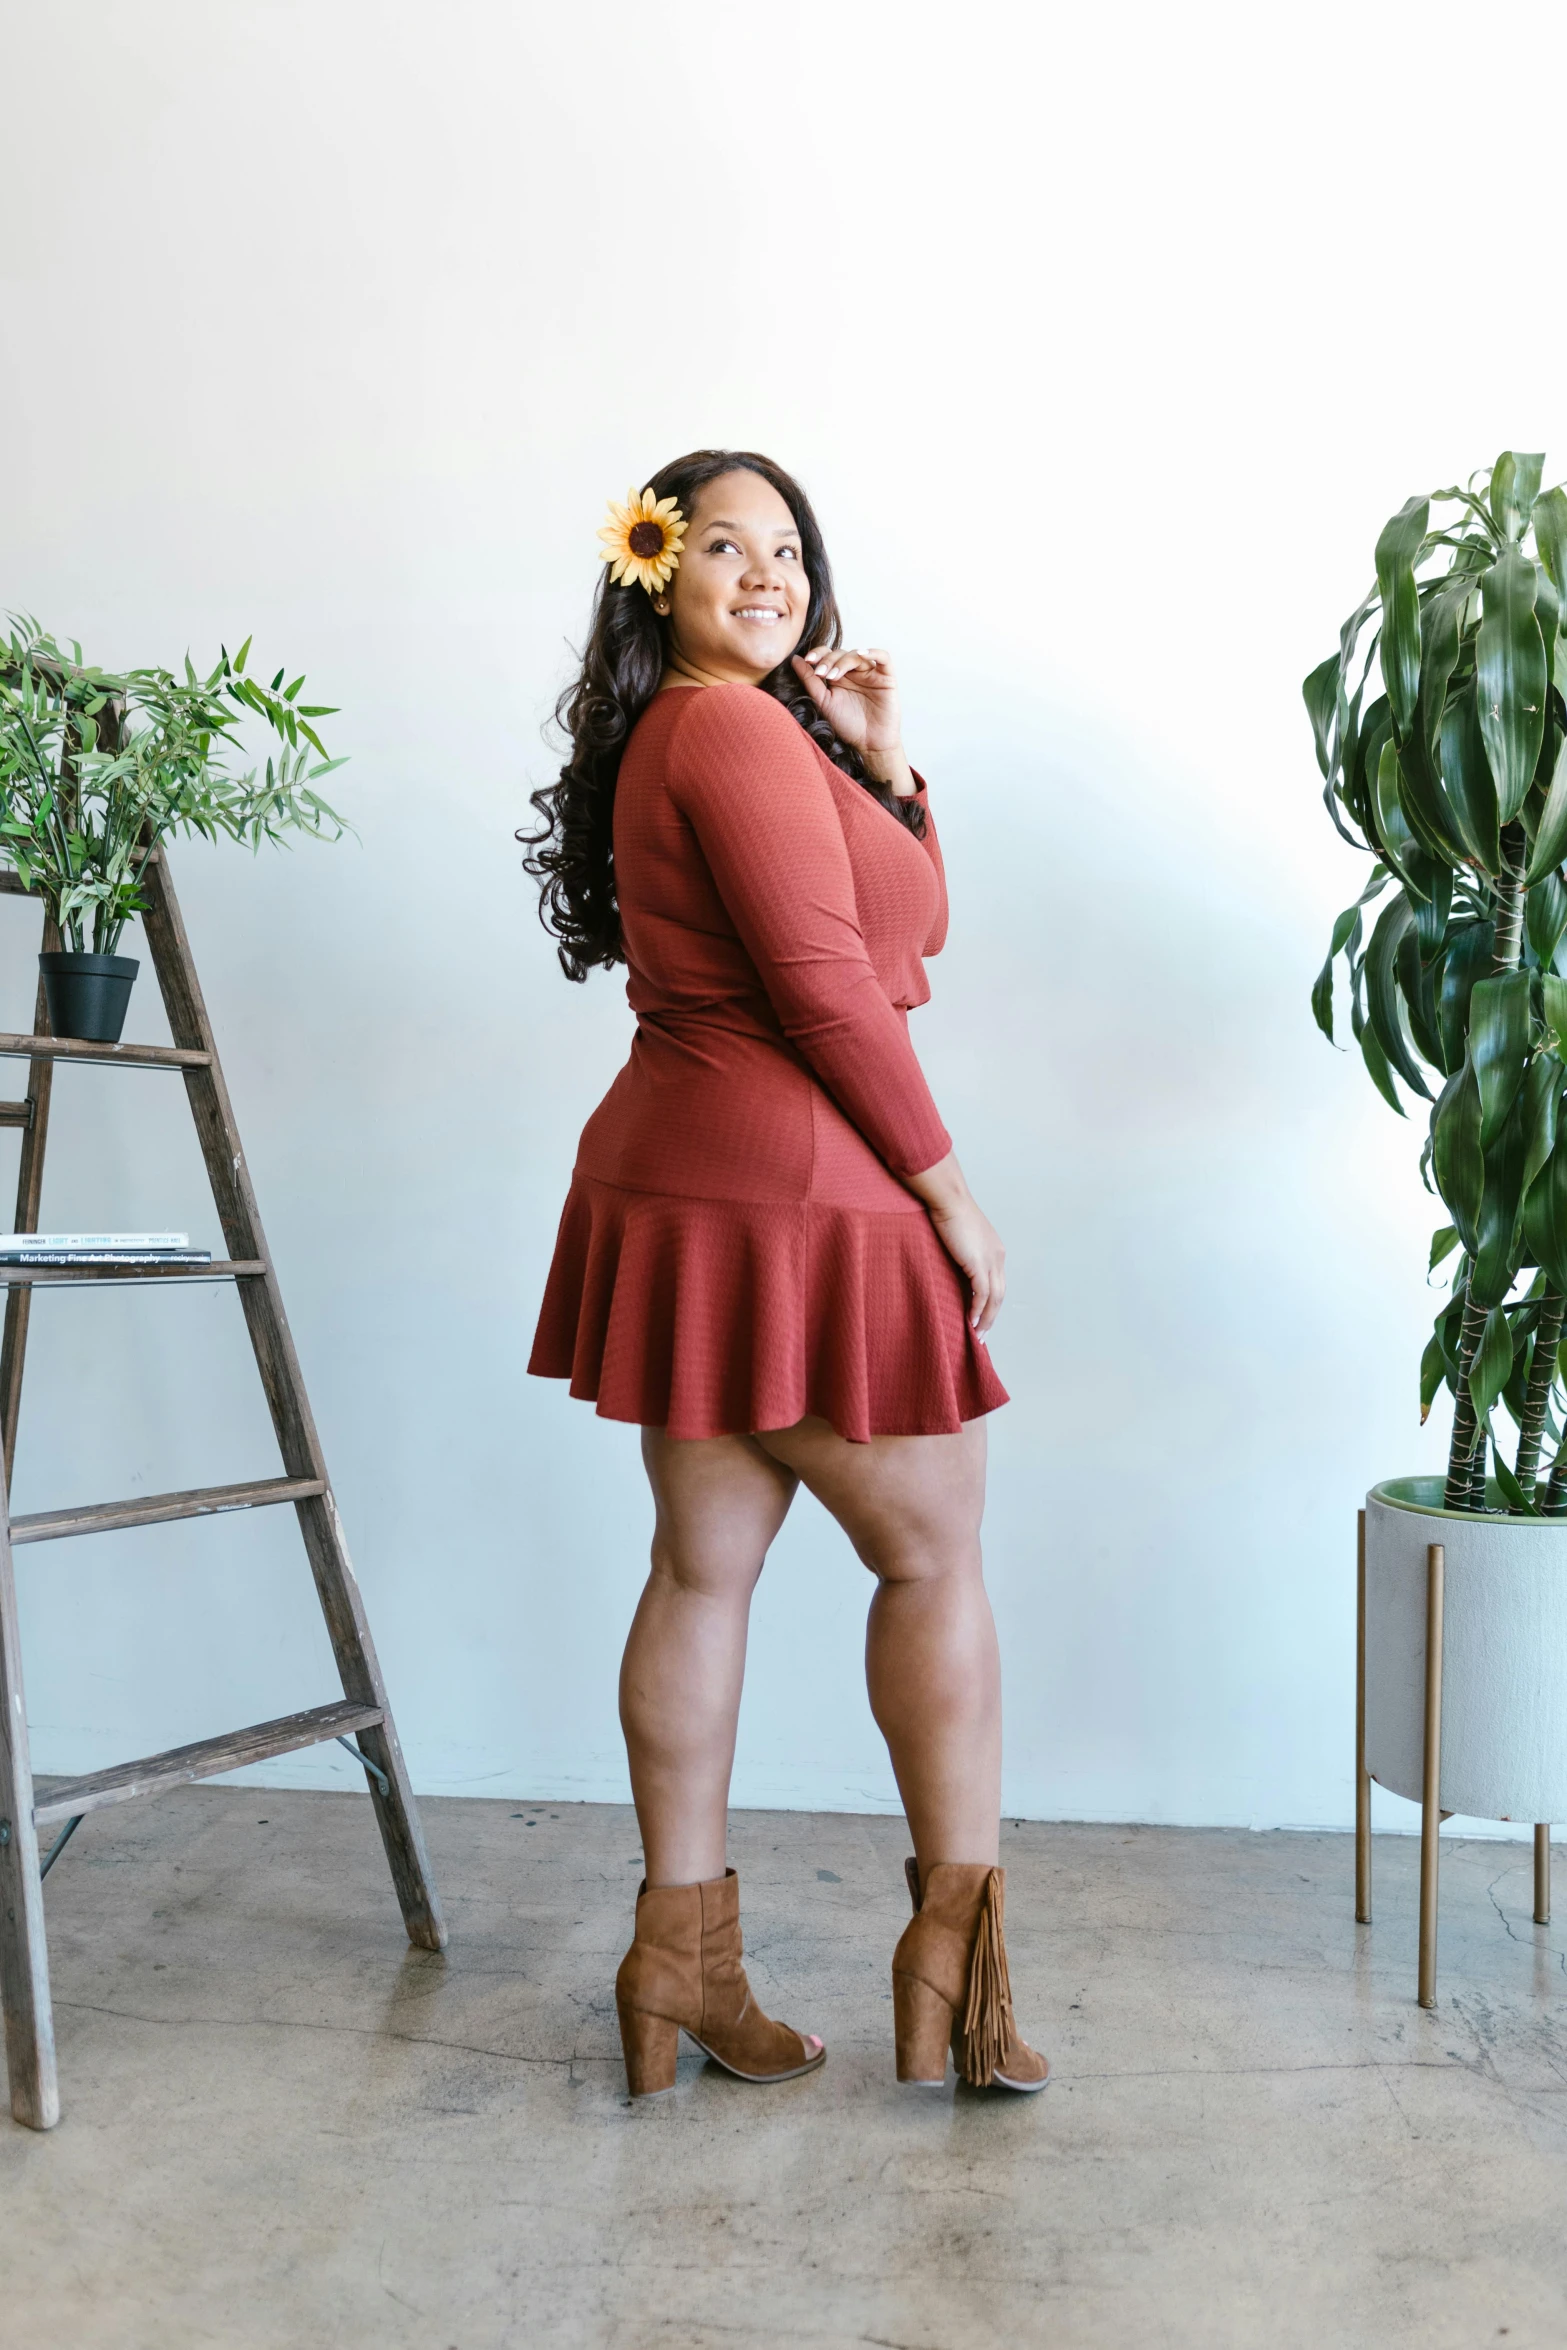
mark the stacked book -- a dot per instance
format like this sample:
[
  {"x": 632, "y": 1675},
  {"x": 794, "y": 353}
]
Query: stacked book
[{"x": 100, "y": 1248}]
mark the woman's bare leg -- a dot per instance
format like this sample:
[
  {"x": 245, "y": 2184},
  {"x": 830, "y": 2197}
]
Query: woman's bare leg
[
  {"x": 911, "y": 1506},
  {"x": 719, "y": 1501}
]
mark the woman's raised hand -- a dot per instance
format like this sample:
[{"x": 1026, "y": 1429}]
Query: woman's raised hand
[{"x": 857, "y": 694}]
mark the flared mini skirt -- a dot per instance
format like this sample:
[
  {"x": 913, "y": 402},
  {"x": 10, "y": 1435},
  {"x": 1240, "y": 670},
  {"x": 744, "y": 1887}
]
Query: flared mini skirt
[{"x": 721, "y": 1317}]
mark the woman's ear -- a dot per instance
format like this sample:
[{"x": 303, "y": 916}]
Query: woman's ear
[{"x": 661, "y": 606}]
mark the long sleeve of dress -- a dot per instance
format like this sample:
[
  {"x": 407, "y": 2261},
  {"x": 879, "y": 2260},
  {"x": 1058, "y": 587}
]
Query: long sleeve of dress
[{"x": 749, "y": 784}]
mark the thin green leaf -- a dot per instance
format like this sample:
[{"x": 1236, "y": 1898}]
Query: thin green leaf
[
  {"x": 1498, "y": 1042},
  {"x": 1545, "y": 1217},
  {"x": 1515, "y": 484},
  {"x": 1492, "y": 1363},
  {"x": 1457, "y": 1161},
  {"x": 1382, "y": 994},
  {"x": 1550, "y": 536},
  {"x": 1320, "y": 690},
  {"x": 1510, "y": 676},
  {"x": 1397, "y": 549},
  {"x": 1468, "y": 781},
  {"x": 1376, "y": 1063},
  {"x": 1550, "y": 839}
]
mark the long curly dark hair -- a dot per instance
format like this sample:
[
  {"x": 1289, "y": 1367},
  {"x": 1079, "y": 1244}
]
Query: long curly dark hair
[{"x": 572, "y": 854}]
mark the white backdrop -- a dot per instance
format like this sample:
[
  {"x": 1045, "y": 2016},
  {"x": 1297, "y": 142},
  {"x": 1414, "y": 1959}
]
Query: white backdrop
[{"x": 1105, "y": 342}]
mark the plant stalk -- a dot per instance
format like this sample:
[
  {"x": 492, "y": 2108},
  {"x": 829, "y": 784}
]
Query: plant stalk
[
  {"x": 1461, "y": 1451},
  {"x": 1537, "y": 1395},
  {"x": 1509, "y": 899}
]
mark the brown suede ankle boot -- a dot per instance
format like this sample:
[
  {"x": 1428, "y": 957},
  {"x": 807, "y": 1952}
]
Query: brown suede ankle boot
[
  {"x": 950, "y": 1983},
  {"x": 683, "y": 1974}
]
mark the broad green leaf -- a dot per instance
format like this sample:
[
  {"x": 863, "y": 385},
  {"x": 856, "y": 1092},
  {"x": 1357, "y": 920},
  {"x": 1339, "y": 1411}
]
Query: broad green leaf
[
  {"x": 1376, "y": 1063},
  {"x": 1457, "y": 1161},
  {"x": 1382, "y": 993},
  {"x": 1498, "y": 1042},
  {"x": 1545, "y": 1217},
  {"x": 1512, "y": 1492},
  {"x": 1441, "y": 626},
  {"x": 1553, "y": 994},
  {"x": 1548, "y": 612},
  {"x": 1419, "y": 993},
  {"x": 1443, "y": 1242},
  {"x": 1550, "y": 536},
  {"x": 1550, "y": 840},
  {"x": 1397, "y": 549},
  {"x": 1545, "y": 916},
  {"x": 1510, "y": 678},
  {"x": 1433, "y": 1374},
  {"x": 1496, "y": 1259},
  {"x": 1468, "y": 781},
  {"x": 1392, "y": 824},
  {"x": 1540, "y": 1107},
  {"x": 1515, "y": 484},
  {"x": 1492, "y": 1362},
  {"x": 1320, "y": 690}
]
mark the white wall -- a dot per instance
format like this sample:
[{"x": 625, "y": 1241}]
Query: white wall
[{"x": 1105, "y": 341}]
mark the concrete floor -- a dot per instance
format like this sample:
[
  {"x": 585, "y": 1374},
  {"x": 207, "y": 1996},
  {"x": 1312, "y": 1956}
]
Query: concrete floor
[{"x": 284, "y": 2129}]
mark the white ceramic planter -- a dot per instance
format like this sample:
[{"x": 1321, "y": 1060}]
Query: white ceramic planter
[{"x": 1504, "y": 1654}]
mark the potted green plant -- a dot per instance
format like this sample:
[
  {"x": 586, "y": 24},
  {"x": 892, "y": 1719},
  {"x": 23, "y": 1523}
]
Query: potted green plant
[
  {"x": 1439, "y": 726},
  {"x": 97, "y": 767}
]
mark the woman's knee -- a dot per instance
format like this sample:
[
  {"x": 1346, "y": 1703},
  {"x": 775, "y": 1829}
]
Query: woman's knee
[
  {"x": 938, "y": 1554},
  {"x": 706, "y": 1571}
]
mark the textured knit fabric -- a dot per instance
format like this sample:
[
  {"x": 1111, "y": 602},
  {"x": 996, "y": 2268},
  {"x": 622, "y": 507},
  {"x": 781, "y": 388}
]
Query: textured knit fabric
[{"x": 736, "y": 1250}]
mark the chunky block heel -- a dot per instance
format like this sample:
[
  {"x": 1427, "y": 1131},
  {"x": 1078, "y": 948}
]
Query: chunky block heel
[
  {"x": 683, "y": 1973},
  {"x": 922, "y": 2023},
  {"x": 950, "y": 1980},
  {"x": 650, "y": 2045}
]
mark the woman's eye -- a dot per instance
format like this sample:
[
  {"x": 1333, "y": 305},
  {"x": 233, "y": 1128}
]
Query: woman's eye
[
  {"x": 791, "y": 553},
  {"x": 720, "y": 546}
]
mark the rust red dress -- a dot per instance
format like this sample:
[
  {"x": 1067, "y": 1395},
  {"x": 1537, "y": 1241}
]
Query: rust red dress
[{"x": 736, "y": 1250}]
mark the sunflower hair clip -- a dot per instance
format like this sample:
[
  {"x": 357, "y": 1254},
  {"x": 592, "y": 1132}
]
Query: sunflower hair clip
[{"x": 642, "y": 540}]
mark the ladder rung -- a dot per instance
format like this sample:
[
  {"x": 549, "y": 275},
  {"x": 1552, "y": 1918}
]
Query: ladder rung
[
  {"x": 67, "y": 1798},
  {"x": 81, "y": 1048},
  {"x": 225, "y": 1269},
  {"x": 158, "y": 1509},
  {"x": 16, "y": 1113},
  {"x": 13, "y": 886}
]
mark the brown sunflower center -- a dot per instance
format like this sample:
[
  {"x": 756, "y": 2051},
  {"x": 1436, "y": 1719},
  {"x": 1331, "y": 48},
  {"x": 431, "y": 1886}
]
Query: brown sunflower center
[{"x": 646, "y": 538}]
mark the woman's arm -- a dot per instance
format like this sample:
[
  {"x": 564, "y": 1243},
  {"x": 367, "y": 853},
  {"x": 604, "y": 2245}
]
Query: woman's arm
[{"x": 748, "y": 781}]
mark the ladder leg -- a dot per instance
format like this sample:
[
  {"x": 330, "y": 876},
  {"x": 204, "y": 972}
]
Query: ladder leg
[
  {"x": 396, "y": 1811},
  {"x": 24, "y": 1962},
  {"x": 29, "y": 1191},
  {"x": 273, "y": 1344}
]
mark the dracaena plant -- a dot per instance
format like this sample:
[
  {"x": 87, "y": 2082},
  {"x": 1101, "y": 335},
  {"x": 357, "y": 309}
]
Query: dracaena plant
[
  {"x": 1452, "y": 778},
  {"x": 96, "y": 767}
]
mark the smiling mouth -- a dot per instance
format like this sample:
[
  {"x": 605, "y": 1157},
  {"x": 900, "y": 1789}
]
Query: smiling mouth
[{"x": 761, "y": 612}]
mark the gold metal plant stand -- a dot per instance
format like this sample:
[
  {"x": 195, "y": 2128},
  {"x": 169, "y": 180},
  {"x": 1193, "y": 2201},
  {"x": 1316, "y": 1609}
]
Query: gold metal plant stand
[{"x": 1431, "y": 1813}]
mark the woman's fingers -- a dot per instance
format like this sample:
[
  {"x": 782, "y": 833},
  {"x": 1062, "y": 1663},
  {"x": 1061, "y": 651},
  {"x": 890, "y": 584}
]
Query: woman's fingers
[
  {"x": 833, "y": 663},
  {"x": 987, "y": 1281}
]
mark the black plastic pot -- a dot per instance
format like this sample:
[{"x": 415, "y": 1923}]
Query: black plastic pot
[{"x": 87, "y": 995}]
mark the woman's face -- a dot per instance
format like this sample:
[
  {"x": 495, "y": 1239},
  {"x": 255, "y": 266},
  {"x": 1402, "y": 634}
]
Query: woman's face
[{"x": 738, "y": 601}]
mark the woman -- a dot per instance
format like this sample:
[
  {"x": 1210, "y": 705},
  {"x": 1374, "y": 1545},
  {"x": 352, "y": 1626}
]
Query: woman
[{"x": 769, "y": 1257}]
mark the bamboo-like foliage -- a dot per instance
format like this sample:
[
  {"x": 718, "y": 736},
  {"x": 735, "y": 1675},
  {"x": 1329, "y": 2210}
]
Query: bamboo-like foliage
[
  {"x": 97, "y": 767},
  {"x": 1452, "y": 777}
]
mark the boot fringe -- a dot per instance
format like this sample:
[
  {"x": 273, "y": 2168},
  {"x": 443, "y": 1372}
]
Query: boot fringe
[{"x": 987, "y": 2019}]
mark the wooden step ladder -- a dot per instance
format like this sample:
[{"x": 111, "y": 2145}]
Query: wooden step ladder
[{"x": 362, "y": 1719}]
